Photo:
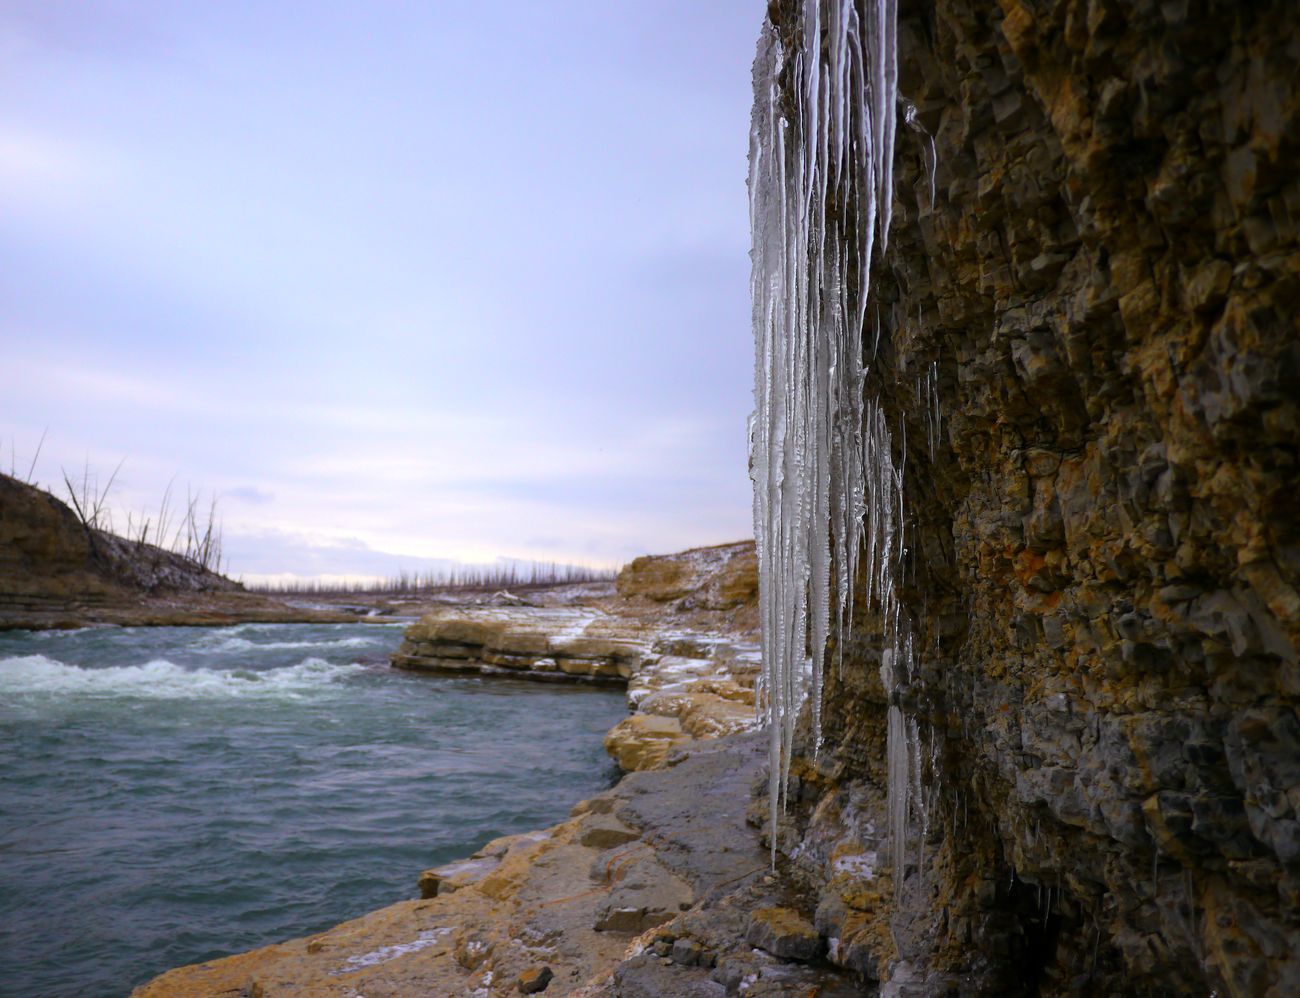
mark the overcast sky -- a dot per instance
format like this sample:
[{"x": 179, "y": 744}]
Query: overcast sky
[{"x": 455, "y": 280}]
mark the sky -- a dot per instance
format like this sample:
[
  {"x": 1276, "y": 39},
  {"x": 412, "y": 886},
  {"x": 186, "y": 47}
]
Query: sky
[{"x": 395, "y": 281}]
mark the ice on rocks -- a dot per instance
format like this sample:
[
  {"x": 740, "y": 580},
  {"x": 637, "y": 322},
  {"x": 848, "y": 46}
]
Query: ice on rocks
[{"x": 385, "y": 953}]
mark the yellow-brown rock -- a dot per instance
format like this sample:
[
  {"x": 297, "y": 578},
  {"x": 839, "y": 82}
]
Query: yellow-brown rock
[
  {"x": 1091, "y": 350},
  {"x": 535, "y": 979},
  {"x": 57, "y": 572},
  {"x": 563, "y": 908},
  {"x": 544, "y": 643},
  {"x": 715, "y": 578},
  {"x": 656, "y": 577},
  {"x": 643, "y": 741},
  {"x": 784, "y": 932}
]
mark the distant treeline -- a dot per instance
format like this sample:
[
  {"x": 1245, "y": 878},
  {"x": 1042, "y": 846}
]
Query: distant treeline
[{"x": 515, "y": 575}]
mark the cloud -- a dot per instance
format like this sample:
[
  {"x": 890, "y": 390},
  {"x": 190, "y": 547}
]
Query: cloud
[
  {"x": 84, "y": 29},
  {"x": 249, "y": 494},
  {"x": 271, "y": 552},
  {"x": 49, "y": 176},
  {"x": 264, "y": 554}
]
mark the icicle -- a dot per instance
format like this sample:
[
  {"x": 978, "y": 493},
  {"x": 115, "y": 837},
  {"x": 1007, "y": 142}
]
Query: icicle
[
  {"x": 820, "y": 453},
  {"x": 931, "y": 156},
  {"x": 933, "y": 415}
]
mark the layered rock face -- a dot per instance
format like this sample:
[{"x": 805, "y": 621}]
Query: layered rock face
[
  {"x": 530, "y": 642},
  {"x": 1102, "y": 565},
  {"x": 681, "y": 685},
  {"x": 677, "y": 634},
  {"x": 39, "y": 536},
  {"x": 723, "y": 577}
]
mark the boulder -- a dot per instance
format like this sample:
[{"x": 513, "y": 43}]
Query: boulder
[
  {"x": 535, "y": 979},
  {"x": 784, "y": 933},
  {"x": 643, "y": 741},
  {"x": 714, "y": 578}
]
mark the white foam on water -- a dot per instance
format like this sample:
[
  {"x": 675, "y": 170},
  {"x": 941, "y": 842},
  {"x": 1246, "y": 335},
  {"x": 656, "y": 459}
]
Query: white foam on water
[
  {"x": 235, "y": 643},
  {"x": 58, "y": 632},
  {"x": 161, "y": 679}
]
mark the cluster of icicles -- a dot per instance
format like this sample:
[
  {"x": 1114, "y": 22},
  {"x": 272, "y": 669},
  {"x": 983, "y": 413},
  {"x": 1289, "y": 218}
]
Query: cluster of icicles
[{"x": 827, "y": 490}]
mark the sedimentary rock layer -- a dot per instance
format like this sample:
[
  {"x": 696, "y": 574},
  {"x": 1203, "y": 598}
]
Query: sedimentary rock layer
[
  {"x": 682, "y": 684},
  {"x": 1101, "y": 298}
]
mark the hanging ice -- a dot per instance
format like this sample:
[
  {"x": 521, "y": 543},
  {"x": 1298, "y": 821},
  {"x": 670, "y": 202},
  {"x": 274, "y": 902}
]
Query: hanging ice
[{"x": 826, "y": 486}]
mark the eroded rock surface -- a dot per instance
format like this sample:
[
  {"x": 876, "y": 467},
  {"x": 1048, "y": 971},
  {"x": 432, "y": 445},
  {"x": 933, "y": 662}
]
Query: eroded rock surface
[
  {"x": 1102, "y": 570},
  {"x": 543, "y": 643},
  {"x": 689, "y": 662},
  {"x": 724, "y": 577},
  {"x": 665, "y": 861}
]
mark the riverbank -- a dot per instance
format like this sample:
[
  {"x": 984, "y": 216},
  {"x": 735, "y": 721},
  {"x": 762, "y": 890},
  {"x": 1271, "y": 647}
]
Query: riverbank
[
  {"x": 661, "y": 885},
  {"x": 57, "y": 573}
]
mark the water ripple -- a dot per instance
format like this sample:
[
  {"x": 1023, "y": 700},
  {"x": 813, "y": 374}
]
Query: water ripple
[{"x": 171, "y": 795}]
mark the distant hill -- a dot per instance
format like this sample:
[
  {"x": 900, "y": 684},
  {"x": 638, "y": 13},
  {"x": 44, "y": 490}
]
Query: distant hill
[{"x": 49, "y": 558}]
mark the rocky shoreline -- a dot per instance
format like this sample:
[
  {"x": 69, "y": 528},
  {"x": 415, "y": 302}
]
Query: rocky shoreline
[
  {"x": 661, "y": 885},
  {"x": 681, "y": 684}
]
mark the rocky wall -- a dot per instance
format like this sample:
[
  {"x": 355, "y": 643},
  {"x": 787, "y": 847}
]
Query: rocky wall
[{"x": 1104, "y": 549}]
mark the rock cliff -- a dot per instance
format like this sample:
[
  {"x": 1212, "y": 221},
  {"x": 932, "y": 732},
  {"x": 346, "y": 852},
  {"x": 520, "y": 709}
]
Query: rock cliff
[
  {"x": 723, "y": 577},
  {"x": 1102, "y": 544}
]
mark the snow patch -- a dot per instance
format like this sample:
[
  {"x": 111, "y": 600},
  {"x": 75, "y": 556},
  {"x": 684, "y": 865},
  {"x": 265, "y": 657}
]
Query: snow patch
[{"x": 385, "y": 953}]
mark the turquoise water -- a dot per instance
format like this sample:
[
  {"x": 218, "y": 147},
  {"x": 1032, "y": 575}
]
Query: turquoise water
[{"x": 168, "y": 795}]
